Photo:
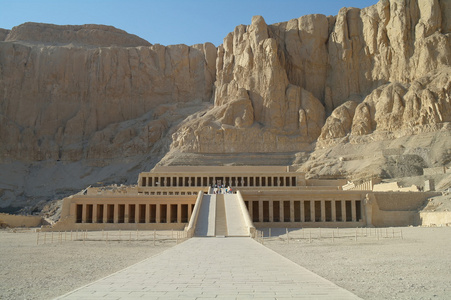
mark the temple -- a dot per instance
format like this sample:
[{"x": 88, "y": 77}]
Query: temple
[{"x": 233, "y": 201}]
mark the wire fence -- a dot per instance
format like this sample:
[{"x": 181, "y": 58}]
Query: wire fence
[
  {"x": 129, "y": 236},
  {"x": 310, "y": 235}
]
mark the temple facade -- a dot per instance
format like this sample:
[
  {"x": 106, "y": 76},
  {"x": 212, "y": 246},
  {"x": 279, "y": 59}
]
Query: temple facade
[{"x": 175, "y": 197}]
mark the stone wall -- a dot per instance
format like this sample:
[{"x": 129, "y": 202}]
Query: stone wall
[{"x": 20, "y": 221}]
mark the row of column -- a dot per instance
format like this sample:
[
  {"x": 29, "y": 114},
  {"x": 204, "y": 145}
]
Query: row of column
[
  {"x": 235, "y": 181},
  {"x": 305, "y": 210},
  {"x": 133, "y": 213}
]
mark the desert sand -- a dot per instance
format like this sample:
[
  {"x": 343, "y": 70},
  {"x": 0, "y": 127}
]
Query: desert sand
[{"x": 416, "y": 266}]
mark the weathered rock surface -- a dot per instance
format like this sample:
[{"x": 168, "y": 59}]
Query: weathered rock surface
[
  {"x": 395, "y": 109},
  {"x": 86, "y": 35},
  {"x": 70, "y": 103},
  {"x": 3, "y": 34},
  {"x": 296, "y": 72},
  {"x": 97, "y": 96}
]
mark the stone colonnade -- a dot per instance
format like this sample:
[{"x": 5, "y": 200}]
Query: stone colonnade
[
  {"x": 129, "y": 212},
  {"x": 305, "y": 210},
  {"x": 169, "y": 180}
]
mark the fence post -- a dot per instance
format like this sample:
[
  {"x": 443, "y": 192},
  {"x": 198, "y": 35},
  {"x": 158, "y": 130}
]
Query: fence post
[
  {"x": 37, "y": 239},
  {"x": 288, "y": 237},
  {"x": 154, "y": 233}
]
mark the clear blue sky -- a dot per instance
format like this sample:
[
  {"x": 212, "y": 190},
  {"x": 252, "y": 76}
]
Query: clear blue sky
[{"x": 167, "y": 22}]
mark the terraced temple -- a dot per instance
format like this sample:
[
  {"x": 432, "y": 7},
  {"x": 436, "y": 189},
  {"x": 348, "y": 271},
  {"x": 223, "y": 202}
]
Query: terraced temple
[{"x": 232, "y": 201}]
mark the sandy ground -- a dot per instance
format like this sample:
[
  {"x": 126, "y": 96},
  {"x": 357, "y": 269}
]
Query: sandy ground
[
  {"x": 45, "y": 271},
  {"x": 376, "y": 266},
  {"x": 415, "y": 267}
]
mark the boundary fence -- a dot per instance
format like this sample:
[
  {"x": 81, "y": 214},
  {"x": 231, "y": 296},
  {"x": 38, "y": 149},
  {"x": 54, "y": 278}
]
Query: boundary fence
[
  {"x": 160, "y": 236},
  {"x": 309, "y": 235}
]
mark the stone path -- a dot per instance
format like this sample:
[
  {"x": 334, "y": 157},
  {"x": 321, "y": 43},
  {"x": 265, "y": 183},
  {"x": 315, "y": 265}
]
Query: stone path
[{"x": 219, "y": 268}]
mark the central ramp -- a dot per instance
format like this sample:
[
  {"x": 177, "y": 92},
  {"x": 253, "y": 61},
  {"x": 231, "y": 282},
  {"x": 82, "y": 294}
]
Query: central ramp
[
  {"x": 207, "y": 216},
  {"x": 221, "y": 220},
  {"x": 236, "y": 224},
  {"x": 221, "y": 215},
  {"x": 237, "y": 268}
]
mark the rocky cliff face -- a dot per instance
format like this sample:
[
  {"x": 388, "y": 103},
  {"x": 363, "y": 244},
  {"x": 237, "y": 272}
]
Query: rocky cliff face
[
  {"x": 66, "y": 102},
  {"x": 97, "y": 96},
  {"x": 285, "y": 78}
]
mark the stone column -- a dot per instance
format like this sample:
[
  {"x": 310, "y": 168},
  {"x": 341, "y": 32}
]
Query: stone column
[
  {"x": 271, "y": 210},
  {"x": 323, "y": 210},
  {"x": 179, "y": 213},
  {"x": 334, "y": 211},
  {"x": 260, "y": 210},
  {"x": 116, "y": 213},
  {"x": 291, "y": 210},
  {"x": 312, "y": 211},
  {"x": 168, "y": 213},
  {"x": 147, "y": 218},
  {"x": 302, "y": 212},
  {"x": 281, "y": 211},
  {"x": 94, "y": 213},
  {"x": 158, "y": 213},
  {"x": 353, "y": 209},
  {"x": 137, "y": 214},
  {"x": 127, "y": 211},
  {"x": 343, "y": 210},
  {"x": 84, "y": 213},
  {"x": 105, "y": 213}
]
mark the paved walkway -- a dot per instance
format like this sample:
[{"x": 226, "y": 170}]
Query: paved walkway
[{"x": 220, "y": 268}]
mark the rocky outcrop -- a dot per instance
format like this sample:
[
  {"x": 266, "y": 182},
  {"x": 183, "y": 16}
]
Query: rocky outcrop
[
  {"x": 257, "y": 109},
  {"x": 86, "y": 35},
  {"x": 3, "y": 34},
  {"x": 395, "y": 109}
]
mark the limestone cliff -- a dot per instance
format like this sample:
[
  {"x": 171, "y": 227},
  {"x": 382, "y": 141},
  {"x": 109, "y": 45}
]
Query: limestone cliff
[
  {"x": 103, "y": 104},
  {"x": 292, "y": 74},
  {"x": 70, "y": 102}
]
